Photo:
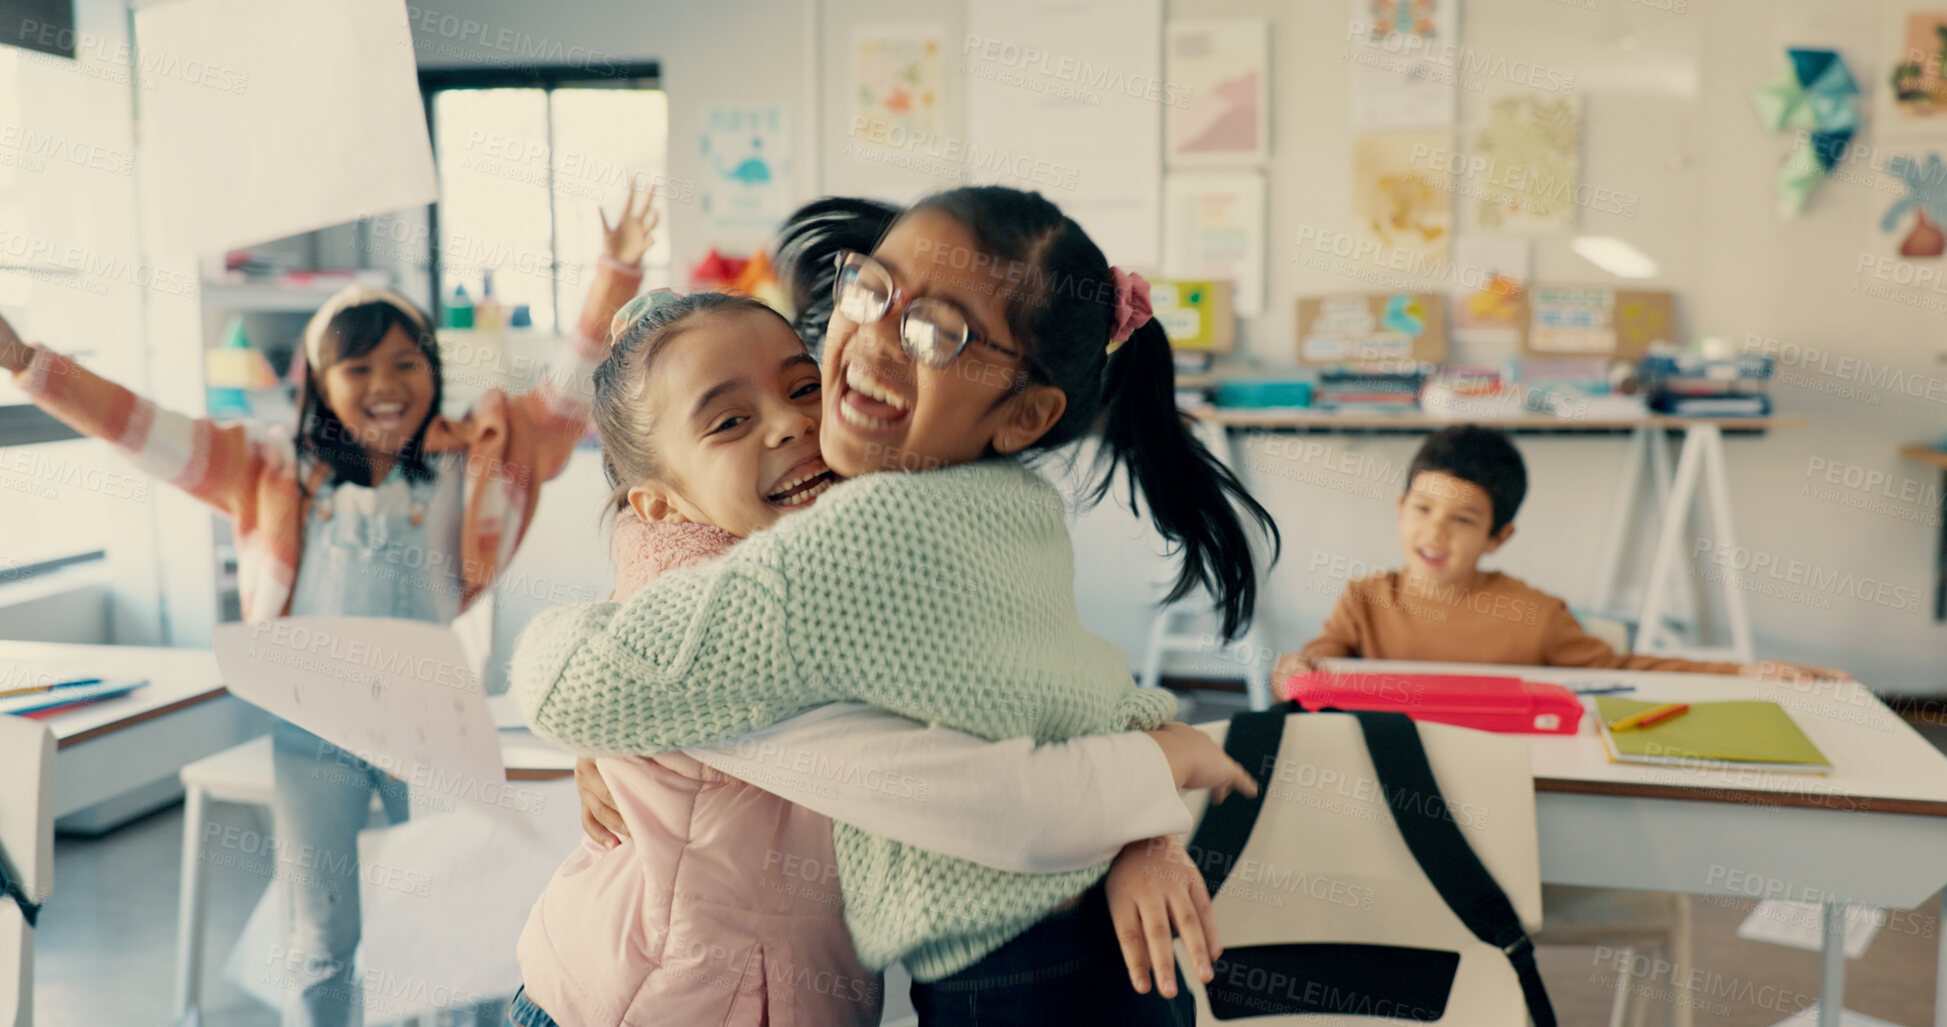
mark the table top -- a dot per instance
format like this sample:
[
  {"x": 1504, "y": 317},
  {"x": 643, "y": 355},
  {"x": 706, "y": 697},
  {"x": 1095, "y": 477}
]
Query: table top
[
  {"x": 1880, "y": 764},
  {"x": 178, "y": 679},
  {"x": 1238, "y": 417},
  {"x": 181, "y": 678}
]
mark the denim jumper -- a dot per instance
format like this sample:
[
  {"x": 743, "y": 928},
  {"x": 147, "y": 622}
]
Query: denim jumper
[{"x": 389, "y": 551}]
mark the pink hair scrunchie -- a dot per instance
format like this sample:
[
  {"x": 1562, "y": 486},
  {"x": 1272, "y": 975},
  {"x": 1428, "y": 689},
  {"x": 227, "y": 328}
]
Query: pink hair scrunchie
[{"x": 1132, "y": 309}]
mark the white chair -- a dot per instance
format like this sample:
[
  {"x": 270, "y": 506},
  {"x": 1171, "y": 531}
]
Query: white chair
[
  {"x": 27, "y": 853},
  {"x": 1654, "y": 923},
  {"x": 240, "y": 774}
]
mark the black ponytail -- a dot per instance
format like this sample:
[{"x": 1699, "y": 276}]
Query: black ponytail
[
  {"x": 1190, "y": 493},
  {"x": 1063, "y": 313},
  {"x": 807, "y": 251}
]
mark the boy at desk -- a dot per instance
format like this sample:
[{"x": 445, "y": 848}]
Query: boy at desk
[{"x": 1462, "y": 491}]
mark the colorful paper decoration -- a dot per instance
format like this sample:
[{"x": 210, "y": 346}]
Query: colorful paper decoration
[
  {"x": 1815, "y": 95},
  {"x": 1926, "y": 197}
]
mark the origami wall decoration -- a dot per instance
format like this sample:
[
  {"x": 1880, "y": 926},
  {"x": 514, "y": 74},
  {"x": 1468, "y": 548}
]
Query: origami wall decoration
[{"x": 1816, "y": 97}]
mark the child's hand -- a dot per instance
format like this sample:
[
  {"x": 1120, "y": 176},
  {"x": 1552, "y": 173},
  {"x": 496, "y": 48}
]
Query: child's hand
[
  {"x": 1291, "y": 665},
  {"x": 1781, "y": 670},
  {"x": 15, "y": 355},
  {"x": 629, "y": 238},
  {"x": 1197, "y": 761},
  {"x": 1152, "y": 884},
  {"x": 599, "y": 817}
]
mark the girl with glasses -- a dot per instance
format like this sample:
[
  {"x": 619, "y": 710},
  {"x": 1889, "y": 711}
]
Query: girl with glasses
[{"x": 985, "y": 329}]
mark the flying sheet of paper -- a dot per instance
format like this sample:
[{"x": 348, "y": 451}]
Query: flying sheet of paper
[
  {"x": 266, "y": 118},
  {"x": 443, "y": 898},
  {"x": 398, "y": 694}
]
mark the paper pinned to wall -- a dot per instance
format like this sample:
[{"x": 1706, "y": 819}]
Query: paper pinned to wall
[
  {"x": 1213, "y": 227},
  {"x": 1066, "y": 99},
  {"x": 1532, "y": 175},
  {"x": 898, "y": 81},
  {"x": 266, "y": 118},
  {"x": 1223, "y": 67},
  {"x": 399, "y": 694},
  {"x": 1402, "y": 194},
  {"x": 1400, "y": 53}
]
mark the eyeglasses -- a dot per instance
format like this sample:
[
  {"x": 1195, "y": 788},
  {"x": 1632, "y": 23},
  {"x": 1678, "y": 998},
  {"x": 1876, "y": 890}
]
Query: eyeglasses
[{"x": 933, "y": 332}]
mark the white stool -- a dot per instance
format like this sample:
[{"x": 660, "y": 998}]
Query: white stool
[
  {"x": 1625, "y": 920},
  {"x": 239, "y": 774}
]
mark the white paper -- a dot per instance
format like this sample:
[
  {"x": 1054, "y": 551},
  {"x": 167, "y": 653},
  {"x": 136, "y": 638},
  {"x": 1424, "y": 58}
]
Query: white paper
[
  {"x": 1224, "y": 67},
  {"x": 1401, "y": 79},
  {"x": 442, "y": 899},
  {"x": 1213, "y": 227},
  {"x": 1067, "y": 100},
  {"x": 399, "y": 694},
  {"x": 266, "y": 118},
  {"x": 1801, "y": 925}
]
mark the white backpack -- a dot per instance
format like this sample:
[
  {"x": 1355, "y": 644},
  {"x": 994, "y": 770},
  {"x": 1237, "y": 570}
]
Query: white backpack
[{"x": 1385, "y": 873}]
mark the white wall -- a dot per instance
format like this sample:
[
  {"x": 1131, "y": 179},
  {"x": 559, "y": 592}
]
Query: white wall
[{"x": 1667, "y": 119}]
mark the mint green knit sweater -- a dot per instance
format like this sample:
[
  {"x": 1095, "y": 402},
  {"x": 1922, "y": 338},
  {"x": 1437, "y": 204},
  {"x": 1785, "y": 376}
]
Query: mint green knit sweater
[{"x": 946, "y": 596}]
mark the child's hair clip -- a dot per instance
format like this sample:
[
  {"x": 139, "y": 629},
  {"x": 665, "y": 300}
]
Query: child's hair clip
[{"x": 638, "y": 308}]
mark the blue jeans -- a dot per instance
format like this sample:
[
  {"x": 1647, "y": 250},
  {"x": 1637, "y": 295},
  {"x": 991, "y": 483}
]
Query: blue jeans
[
  {"x": 324, "y": 798},
  {"x": 524, "y": 1013},
  {"x": 1065, "y": 970}
]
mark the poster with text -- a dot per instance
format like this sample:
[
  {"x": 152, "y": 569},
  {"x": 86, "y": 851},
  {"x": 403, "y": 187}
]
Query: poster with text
[{"x": 746, "y": 192}]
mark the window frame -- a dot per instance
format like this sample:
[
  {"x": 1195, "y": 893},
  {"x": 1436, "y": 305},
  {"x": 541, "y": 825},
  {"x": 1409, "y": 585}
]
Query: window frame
[{"x": 547, "y": 78}]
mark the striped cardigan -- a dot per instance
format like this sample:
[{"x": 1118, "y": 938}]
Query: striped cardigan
[{"x": 250, "y": 471}]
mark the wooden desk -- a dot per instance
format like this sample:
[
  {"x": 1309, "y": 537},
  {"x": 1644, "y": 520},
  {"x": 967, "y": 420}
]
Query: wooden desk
[
  {"x": 1871, "y": 833},
  {"x": 119, "y": 746},
  {"x": 1924, "y": 452}
]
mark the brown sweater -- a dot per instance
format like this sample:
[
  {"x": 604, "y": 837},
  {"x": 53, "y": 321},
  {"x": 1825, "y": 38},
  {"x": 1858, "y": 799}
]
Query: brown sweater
[{"x": 1499, "y": 620}]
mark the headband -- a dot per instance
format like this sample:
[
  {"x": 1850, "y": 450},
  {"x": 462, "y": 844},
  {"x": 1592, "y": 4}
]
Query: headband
[
  {"x": 1132, "y": 309},
  {"x": 344, "y": 299}
]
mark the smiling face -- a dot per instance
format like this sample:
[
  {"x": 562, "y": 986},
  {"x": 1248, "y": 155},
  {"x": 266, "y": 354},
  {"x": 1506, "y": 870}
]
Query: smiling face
[
  {"x": 382, "y": 396},
  {"x": 883, "y": 411},
  {"x": 735, "y": 431},
  {"x": 1445, "y": 527}
]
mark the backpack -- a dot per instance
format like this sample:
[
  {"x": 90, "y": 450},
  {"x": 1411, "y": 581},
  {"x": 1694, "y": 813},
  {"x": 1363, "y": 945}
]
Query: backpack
[{"x": 1354, "y": 887}]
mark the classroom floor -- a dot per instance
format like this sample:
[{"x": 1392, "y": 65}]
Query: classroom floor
[{"x": 106, "y": 947}]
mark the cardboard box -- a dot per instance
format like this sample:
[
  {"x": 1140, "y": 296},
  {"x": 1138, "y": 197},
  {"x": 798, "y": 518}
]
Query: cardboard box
[
  {"x": 1598, "y": 321},
  {"x": 1372, "y": 328},
  {"x": 1198, "y": 314}
]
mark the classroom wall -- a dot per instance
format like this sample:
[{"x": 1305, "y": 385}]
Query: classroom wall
[{"x": 1667, "y": 120}]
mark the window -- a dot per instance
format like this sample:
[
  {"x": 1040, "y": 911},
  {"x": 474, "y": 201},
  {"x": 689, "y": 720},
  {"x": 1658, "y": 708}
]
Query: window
[{"x": 525, "y": 161}]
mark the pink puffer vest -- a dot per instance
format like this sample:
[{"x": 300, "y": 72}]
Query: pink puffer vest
[{"x": 722, "y": 907}]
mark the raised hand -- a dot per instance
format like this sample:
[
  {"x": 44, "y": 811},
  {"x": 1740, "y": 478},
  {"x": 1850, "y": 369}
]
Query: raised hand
[
  {"x": 14, "y": 354},
  {"x": 633, "y": 232}
]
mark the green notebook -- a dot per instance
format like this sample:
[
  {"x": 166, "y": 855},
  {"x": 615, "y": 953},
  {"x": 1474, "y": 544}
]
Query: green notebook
[{"x": 1712, "y": 734}]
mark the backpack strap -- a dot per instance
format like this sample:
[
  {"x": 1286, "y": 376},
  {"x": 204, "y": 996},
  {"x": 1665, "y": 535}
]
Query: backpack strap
[
  {"x": 1253, "y": 741},
  {"x": 30, "y": 910},
  {"x": 1406, "y": 780}
]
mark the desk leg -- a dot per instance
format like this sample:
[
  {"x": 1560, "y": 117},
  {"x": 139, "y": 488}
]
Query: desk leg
[
  {"x": 1832, "y": 967},
  {"x": 1940, "y": 967},
  {"x": 1940, "y": 565},
  {"x": 189, "y": 914},
  {"x": 1669, "y": 545},
  {"x": 1615, "y": 537}
]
